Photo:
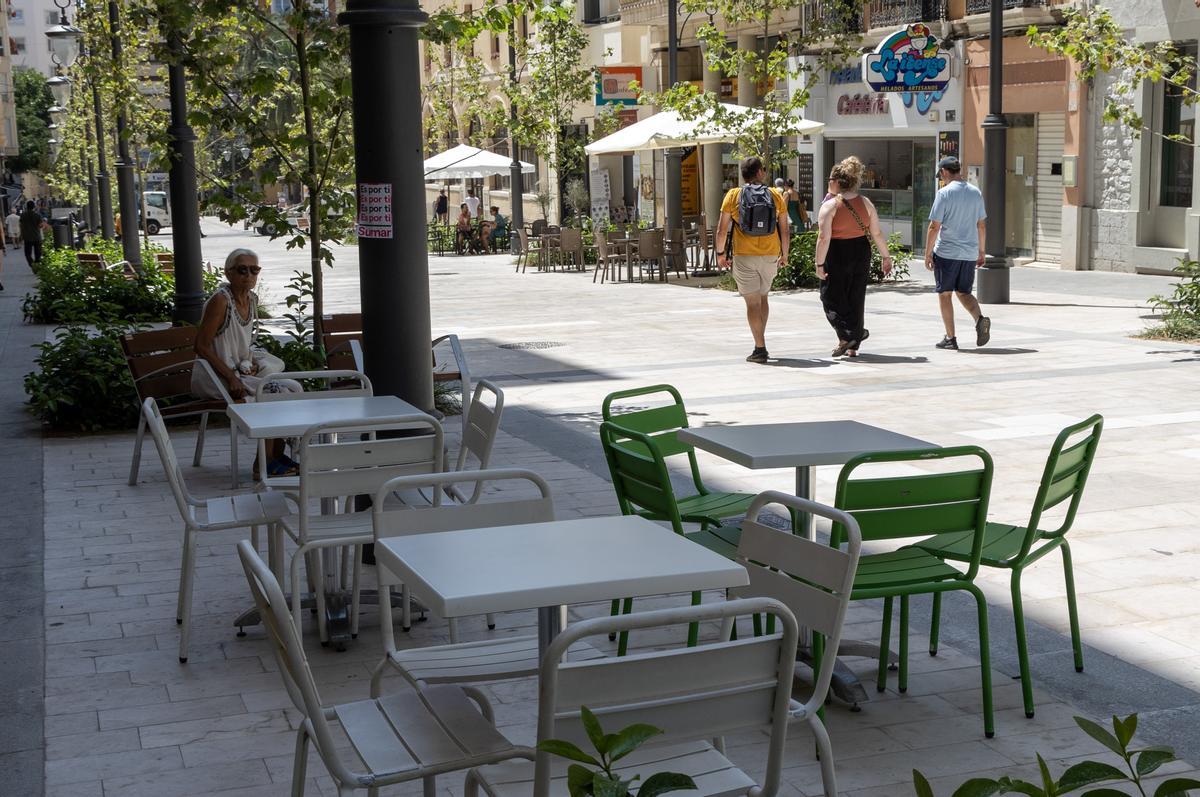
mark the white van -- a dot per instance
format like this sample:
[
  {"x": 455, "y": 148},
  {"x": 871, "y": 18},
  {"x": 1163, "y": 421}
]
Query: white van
[{"x": 158, "y": 211}]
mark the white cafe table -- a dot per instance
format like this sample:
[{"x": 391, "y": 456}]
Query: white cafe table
[
  {"x": 802, "y": 445},
  {"x": 270, "y": 420},
  {"x": 550, "y": 565}
]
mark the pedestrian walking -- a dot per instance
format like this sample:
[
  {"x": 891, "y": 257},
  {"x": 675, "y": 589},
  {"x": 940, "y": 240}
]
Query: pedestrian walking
[
  {"x": 797, "y": 210},
  {"x": 12, "y": 224},
  {"x": 441, "y": 208},
  {"x": 954, "y": 249},
  {"x": 760, "y": 246},
  {"x": 847, "y": 224},
  {"x": 31, "y": 223}
]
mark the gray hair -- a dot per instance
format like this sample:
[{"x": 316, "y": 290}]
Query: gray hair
[
  {"x": 231, "y": 259},
  {"x": 779, "y": 182}
]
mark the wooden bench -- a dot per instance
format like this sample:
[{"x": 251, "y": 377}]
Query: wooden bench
[
  {"x": 161, "y": 364},
  {"x": 93, "y": 265},
  {"x": 166, "y": 262}
]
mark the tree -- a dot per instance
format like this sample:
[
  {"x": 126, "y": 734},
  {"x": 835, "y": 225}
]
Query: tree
[
  {"x": 280, "y": 83},
  {"x": 33, "y": 101},
  {"x": 783, "y": 81},
  {"x": 1093, "y": 40}
]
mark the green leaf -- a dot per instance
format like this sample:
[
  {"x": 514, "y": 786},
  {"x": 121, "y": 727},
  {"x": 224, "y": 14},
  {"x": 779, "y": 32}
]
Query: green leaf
[
  {"x": 1125, "y": 728},
  {"x": 1105, "y": 792},
  {"x": 1008, "y": 785},
  {"x": 1099, "y": 734},
  {"x": 1086, "y": 773},
  {"x": 566, "y": 750},
  {"x": 1151, "y": 759},
  {"x": 609, "y": 787},
  {"x": 1047, "y": 778},
  {"x": 1176, "y": 787},
  {"x": 579, "y": 780},
  {"x": 629, "y": 740},
  {"x": 921, "y": 784},
  {"x": 978, "y": 787},
  {"x": 594, "y": 731},
  {"x": 664, "y": 782}
]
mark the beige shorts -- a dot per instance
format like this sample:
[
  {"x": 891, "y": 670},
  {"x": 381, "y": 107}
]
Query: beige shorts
[{"x": 755, "y": 273}]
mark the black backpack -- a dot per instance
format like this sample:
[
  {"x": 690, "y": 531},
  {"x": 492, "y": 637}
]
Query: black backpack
[{"x": 756, "y": 210}]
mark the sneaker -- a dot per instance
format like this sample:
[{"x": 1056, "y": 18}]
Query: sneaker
[
  {"x": 759, "y": 355},
  {"x": 948, "y": 343},
  {"x": 983, "y": 330}
]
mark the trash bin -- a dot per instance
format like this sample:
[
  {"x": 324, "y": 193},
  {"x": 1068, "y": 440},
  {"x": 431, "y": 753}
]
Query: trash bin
[{"x": 62, "y": 232}]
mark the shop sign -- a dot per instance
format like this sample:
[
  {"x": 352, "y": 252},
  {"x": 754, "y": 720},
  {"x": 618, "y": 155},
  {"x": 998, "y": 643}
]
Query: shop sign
[
  {"x": 948, "y": 144},
  {"x": 908, "y": 60},
  {"x": 862, "y": 104},
  {"x": 613, "y": 85}
]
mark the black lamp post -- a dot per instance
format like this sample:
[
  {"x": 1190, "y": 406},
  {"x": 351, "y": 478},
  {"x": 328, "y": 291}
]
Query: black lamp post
[
  {"x": 994, "y": 276},
  {"x": 673, "y": 156},
  {"x": 388, "y": 166},
  {"x": 131, "y": 247}
]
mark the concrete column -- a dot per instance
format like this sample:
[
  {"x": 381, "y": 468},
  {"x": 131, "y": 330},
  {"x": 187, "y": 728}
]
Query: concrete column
[
  {"x": 746, "y": 91},
  {"x": 711, "y": 160}
]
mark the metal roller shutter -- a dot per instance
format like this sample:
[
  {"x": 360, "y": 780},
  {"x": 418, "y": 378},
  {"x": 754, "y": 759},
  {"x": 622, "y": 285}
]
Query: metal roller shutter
[{"x": 1047, "y": 217}]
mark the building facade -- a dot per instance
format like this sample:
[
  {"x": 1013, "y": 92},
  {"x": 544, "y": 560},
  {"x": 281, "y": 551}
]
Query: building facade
[
  {"x": 28, "y": 21},
  {"x": 8, "y": 119}
]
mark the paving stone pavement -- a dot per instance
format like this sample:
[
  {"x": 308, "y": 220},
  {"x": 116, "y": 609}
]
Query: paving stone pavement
[{"x": 123, "y": 717}]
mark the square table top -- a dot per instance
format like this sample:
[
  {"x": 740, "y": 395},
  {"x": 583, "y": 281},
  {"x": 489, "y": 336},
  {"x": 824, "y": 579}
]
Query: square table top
[
  {"x": 794, "y": 445},
  {"x": 293, "y": 417},
  {"x": 507, "y": 568}
]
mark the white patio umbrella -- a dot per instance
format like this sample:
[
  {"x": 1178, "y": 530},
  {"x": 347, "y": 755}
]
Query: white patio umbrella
[
  {"x": 469, "y": 162},
  {"x": 668, "y": 129}
]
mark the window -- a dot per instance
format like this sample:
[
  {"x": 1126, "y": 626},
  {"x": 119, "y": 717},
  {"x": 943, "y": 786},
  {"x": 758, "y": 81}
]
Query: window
[
  {"x": 1177, "y": 157},
  {"x": 156, "y": 201},
  {"x": 495, "y": 45},
  {"x": 18, "y": 45},
  {"x": 52, "y": 18},
  {"x": 16, "y": 16}
]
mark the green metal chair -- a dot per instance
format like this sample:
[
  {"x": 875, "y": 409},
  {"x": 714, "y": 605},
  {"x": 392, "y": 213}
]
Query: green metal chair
[
  {"x": 1017, "y": 547},
  {"x": 661, "y": 425},
  {"x": 643, "y": 486},
  {"x": 926, "y": 505}
]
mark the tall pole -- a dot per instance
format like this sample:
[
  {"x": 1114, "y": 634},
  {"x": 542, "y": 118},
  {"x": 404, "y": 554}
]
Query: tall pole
[
  {"x": 93, "y": 208},
  {"x": 185, "y": 209},
  {"x": 674, "y": 155},
  {"x": 994, "y": 276},
  {"x": 385, "y": 79},
  {"x": 103, "y": 187},
  {"x": 516, "y": 183},
  {"x": 131, "y": 247}
]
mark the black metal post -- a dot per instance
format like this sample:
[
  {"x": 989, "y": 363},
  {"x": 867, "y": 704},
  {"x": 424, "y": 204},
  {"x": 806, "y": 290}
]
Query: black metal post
[
  {"x": 674, "y": 156},
  {"x": 93, "y": 208},
  {"x": 516, "y": 187},
  {"x": 185, "y": 208},
  {"x": 388, "y": 167},
  {"x": 131, "y": 247},
  {"x": 103, "y": 187},
  {"x": 994, "y": 276}
]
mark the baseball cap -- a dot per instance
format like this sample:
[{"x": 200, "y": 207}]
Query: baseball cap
[{"x": 949, "y": 163}]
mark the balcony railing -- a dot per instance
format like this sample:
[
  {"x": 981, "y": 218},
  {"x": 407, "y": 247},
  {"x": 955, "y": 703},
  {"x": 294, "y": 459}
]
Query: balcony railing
[
  {"x": 894, "y": 13},
  {"x": 985, "y": 6},
  {"x": 834, "y": 16},
  {"x": 597, "y": 11}
]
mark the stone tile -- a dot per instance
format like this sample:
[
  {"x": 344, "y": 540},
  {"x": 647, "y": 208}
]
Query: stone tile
[
  {"x": 191, "y": 781},
  {"x": 158, "y": 713},
  {"x": 107, "y": 765}
]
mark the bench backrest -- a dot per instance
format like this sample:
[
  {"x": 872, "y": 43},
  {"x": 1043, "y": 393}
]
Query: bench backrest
[
  {"x": 160, "y": 361},
  {"x": 339, "y": 330}
]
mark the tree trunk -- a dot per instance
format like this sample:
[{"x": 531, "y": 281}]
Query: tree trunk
[{"x": 312, "y": 181}]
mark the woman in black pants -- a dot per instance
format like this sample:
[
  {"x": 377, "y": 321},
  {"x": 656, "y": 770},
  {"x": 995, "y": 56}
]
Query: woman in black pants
[{"x": 845, "y": 223}]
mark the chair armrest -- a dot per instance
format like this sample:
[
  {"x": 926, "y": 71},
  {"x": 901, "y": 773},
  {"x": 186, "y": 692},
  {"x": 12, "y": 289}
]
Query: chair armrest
[{"x": 205, "y": 365}]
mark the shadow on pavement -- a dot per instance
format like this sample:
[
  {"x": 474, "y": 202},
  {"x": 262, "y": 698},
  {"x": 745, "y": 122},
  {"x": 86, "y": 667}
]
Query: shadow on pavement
[
  {"x": 867, "y": 357},
  {"x": 791, "y": 362},
  {"x": 998, "y": 351},
  {"x": 1072, "y": 304}
]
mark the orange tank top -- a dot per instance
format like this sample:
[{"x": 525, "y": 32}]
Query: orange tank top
[{"x": 844, "y": 225}]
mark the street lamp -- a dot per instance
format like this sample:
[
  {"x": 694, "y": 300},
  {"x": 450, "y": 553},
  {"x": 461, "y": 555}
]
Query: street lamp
[
  {"x": 994, "y": 276},
  {"x": 60, "y": 89},
  {"x": 64, "y": 38}
]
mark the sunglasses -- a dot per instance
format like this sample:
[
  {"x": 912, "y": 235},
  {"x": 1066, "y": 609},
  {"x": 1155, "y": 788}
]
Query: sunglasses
[{"x": 244, "y": 270}]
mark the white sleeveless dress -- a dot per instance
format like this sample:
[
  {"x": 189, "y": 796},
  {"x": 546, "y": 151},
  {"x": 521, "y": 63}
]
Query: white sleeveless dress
[{"x": 234, "y": 345}]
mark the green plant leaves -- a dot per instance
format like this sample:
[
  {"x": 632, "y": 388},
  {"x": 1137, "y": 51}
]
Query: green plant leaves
[
  {"x": 1101, "y": 735},
  {"x": 595, "y": 733},
  {"x": 566, "y": 750},
  {"x": 921, "y": 784},
  {"x": 1086, "y": 773},
  {"x": 629, "y": 739},
  {"x": 1151, "y": 759},
  {"x": 1176, "y": 787},
  {"x": 665, "y": 782},
  {"x": 1124, "y": 729},
  {"x": 579, "y": 780},
  {"x": 978, "y": 787},
  {"x": 1009, "y": 785}
]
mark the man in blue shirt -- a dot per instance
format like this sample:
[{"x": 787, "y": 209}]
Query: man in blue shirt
[{"x": 954, "y": 249}]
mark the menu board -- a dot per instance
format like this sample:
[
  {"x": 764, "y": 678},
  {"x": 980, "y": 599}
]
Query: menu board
[
  {"x": 948, "y": 144},
  {"x": 804, "y": 180}
]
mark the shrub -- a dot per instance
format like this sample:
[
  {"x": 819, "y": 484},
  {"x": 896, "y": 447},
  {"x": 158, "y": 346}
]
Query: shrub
[
  {"x": 82, "y": 383},
  {"x": 1181, "y": 310},
  {"x": 801, "y": 269},
  {"x": 66, "y": 294}
]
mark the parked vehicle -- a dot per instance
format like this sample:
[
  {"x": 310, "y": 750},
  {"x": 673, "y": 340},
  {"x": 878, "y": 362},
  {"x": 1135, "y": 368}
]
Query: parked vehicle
[{"x": 158, "y": 211}]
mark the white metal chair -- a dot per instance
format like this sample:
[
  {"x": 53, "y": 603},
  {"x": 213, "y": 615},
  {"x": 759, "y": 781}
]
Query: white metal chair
[
  {"x": 692, "y": 694},
  {"x": 402, "y": 737},
  {"x": 214, "y": 514},
  {"x": 814, "y": 581},
  {"x": 487, "y": 660},
  {"x": 352, "y": 384},
  {"x": 479, "y": 437},
  {"x": 336, "y": 461}
]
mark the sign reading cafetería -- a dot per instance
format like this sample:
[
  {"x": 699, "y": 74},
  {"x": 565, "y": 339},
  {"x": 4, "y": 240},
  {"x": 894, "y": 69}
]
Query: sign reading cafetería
[{"x": 908, "y": 60}]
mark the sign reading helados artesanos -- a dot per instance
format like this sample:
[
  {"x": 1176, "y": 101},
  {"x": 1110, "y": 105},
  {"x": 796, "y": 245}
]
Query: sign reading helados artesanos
[{"x": 908, "y": 60}]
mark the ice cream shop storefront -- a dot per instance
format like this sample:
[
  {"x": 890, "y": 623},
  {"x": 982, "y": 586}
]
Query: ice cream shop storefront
[{"x": 898, "y": 135}]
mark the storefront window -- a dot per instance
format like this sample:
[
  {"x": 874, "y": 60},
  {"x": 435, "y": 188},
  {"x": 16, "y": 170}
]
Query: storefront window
[{"x": 1177, "y": 160}]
